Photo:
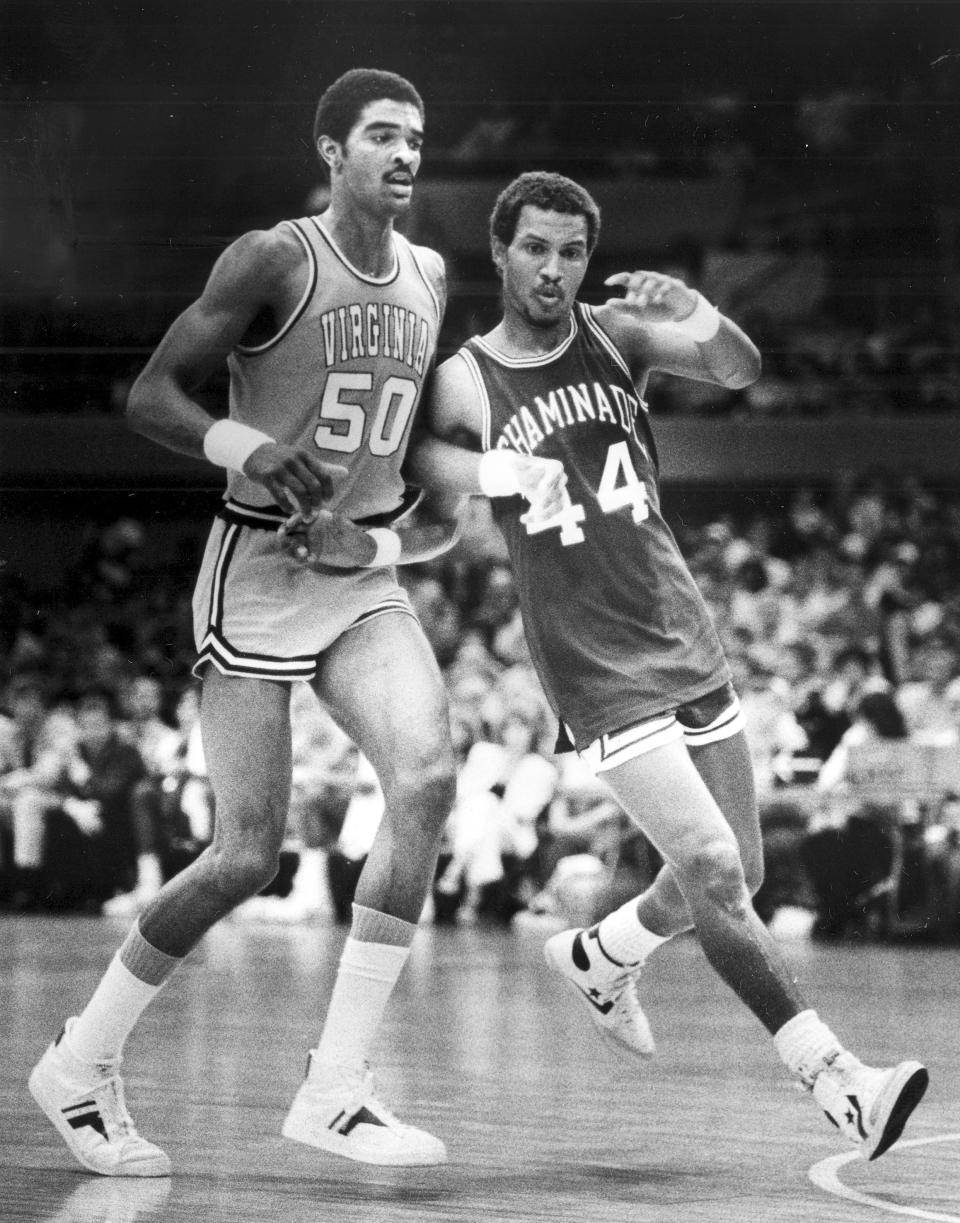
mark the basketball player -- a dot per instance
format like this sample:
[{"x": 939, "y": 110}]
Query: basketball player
[
  {"x": 328, "y": 326},
  {"x": 618, "y": 632}
]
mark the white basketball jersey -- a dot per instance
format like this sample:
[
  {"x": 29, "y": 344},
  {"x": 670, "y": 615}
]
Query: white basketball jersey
[{"x": 344, "y": 373}]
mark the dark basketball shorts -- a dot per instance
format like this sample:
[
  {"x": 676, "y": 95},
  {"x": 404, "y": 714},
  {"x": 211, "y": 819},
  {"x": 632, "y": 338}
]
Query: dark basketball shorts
[{"x": 707, "y": 719}]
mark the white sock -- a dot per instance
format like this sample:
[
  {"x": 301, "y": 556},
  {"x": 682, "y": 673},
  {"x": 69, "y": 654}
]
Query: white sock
[
  {"x": 132, "y": 980},
  {"x": 366, "y": 976},
  {"x": 623, "y": 939},
  {"x": 806, "y": 1045}
]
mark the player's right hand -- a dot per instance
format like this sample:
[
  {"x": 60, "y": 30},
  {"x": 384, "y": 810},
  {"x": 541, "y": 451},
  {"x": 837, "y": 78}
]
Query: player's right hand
[
  {"x": 293, "y": 476},
  {"x": 543, "y": 482}
]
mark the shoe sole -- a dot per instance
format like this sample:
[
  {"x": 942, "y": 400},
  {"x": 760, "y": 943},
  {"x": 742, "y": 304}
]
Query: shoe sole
[
  {"x": 905, "y": 1090},
  {"x": 307, "y": 1132},
  {"x": 43, "y": 1094},
  {"x": 613, "y": 1044}
]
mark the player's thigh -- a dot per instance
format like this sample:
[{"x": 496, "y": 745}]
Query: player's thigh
[
  {"x": 727, "y": 769},
  {"x": 383, "y": 686},
  {"x": 246, "y": 742},
  {"x": 665, "y": 795}
]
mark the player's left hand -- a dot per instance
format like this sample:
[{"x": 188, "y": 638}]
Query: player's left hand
[
  {"x": 656, "y": 298},
  {"x": 324, "y": 540}
]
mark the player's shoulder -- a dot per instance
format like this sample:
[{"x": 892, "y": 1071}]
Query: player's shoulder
[
  {"x": 431, "y": 264},
  {"x": 627, "y": 333},
  {"x": 454, "y": 394},
  {"x": 267, "y": 255},
  {"x": 455, "y": 374}
]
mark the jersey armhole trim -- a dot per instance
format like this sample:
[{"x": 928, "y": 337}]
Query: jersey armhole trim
[
  {"x": 417, "y": 263},
  {"x": 485, "y": 417},
  {"x": 254, "y": 350},
  {"x": 601, "y": 336}
]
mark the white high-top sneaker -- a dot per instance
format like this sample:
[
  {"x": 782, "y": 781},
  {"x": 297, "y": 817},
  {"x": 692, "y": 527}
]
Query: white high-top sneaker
[
  {"x": 868, "y": 1106},
  {"x": 336, "y": 1110},
  {"x": 610, "y": 990},
  {"x": 86, "y": 1106}
]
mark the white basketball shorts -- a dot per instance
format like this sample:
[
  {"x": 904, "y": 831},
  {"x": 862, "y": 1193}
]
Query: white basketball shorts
[{"x": 258, "y": 613}]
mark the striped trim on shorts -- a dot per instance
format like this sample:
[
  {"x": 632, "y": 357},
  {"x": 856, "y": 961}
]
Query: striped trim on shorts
[
  {"x": 215, "y": 643},
  {"x": 616, "y": 748}
]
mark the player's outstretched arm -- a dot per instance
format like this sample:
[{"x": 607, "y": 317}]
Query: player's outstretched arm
[
  {"x": 331, "y": 541},
  {"x": 445, "y": 453},
  {"x": 661, "y": 323},
  {"x": 245, "y": 282}
]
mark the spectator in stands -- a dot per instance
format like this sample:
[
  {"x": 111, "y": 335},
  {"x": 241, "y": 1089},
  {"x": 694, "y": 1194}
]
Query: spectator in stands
[
  {"x": 157, "y": 742},
  {"x": 24, "y": 738},
  {"x": 852, "y": 846},
  {"x": 925, "y": 699},
  {"x": 73, "y": 833},
  {"x": 503, "y": 789}
]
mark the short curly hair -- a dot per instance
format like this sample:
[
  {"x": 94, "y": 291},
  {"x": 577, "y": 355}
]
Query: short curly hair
[
  {"x": 552, "y": 193},
  {"x": 342, "y": 103}
]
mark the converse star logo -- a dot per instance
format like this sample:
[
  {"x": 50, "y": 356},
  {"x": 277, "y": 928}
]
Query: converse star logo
[
  {"x": 854, "y": 1115},
  {"x": 592, "y": 995}
]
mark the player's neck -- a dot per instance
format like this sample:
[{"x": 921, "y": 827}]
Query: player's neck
[
  {"x": 367, "y": 242},
  {"x": 513, "y": 336}
]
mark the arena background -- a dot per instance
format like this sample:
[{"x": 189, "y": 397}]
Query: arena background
[{"x": 796, "y": 161}]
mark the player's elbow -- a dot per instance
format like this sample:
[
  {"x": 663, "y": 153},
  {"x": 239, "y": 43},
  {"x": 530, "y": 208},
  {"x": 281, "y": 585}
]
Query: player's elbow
[
  {"x": 144, "y": 408},
  {"x": 137, "y": 409},
  {"x": 747, "y": 370}
]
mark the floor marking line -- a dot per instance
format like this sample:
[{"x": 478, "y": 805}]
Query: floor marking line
[{"x": 824, "y": 1176}]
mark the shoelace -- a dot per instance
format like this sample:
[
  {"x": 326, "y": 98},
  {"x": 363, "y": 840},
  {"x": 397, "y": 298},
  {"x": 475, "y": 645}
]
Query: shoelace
[
  {"x": 113, "y": 1108},
  {"x": 366, "y": 1096}
]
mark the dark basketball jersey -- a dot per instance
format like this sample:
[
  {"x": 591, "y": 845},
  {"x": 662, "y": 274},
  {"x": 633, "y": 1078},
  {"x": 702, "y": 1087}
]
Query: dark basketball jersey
[{"x": 617, "y": 629}]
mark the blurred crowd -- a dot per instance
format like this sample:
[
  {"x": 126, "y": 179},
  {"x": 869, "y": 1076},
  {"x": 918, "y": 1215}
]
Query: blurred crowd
[{"x": 839, "y": 611}]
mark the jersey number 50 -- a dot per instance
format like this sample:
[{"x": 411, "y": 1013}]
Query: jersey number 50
[
  {"x": 619, "y": 487},
  {"x": 342, "y": 420}
]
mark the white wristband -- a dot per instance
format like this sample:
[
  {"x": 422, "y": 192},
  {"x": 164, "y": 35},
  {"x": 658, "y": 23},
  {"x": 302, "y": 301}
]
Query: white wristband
[
  {"x": 497, "y": 475},
  {"x": 228, "y": 443},
  {"x": 389, "y": 546},
  {"x": 703, "y": 324}
]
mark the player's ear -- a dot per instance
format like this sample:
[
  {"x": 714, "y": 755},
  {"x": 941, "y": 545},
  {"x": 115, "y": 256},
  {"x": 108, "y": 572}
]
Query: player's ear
[
  {"x": 498, "y": 252},
  {"x": 330, "y": 152}
]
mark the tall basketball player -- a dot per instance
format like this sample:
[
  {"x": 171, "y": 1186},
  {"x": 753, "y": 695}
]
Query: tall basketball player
[
  {"x": 328, "y": 325},
  {"x": 618, "y": 631}
]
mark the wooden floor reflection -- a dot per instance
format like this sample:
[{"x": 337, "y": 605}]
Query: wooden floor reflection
[{"x": 484, "y": 1048}]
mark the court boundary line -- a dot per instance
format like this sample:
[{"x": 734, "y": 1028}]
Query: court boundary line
[{"x": 824, "y": 1175}]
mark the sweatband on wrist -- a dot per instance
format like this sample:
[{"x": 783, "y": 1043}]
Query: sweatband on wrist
[
  {"x": 228, "y": 443},
  {"x": 703, "y": 324},
  {"x": 497, "y": 475},
  {"x": 388, "y": 544}
]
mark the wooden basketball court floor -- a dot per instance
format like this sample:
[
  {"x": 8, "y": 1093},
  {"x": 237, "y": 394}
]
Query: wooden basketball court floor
[{"x": 482, "y": 1046}]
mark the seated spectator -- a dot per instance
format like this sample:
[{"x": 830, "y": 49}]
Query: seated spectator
[
  {"x": 503, "y": 789},
  {"x": 852, "y": 845},
  {"x": 924, "y": 699},
  {"x": 172, "y": 805},
  {"x": 72, "y": 820},
  {"x": 29, "y": 756}
]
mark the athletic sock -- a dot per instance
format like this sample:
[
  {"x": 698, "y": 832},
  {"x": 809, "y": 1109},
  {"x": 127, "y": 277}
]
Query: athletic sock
[
  {"x": 373, "y": 956},
  {"x": 806, "y": 1045},
  {"x": 623, "y": 939},
  {"x": 133, "y": 978}
]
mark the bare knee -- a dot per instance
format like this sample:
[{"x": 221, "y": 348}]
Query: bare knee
[
  {"x": 241, "y": 872},
  {"x": 426, "y": 790},
  {"x": 714, "y": 875}
]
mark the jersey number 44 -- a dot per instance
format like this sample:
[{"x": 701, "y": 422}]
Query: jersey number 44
[{"x": 620, "y": 487}]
